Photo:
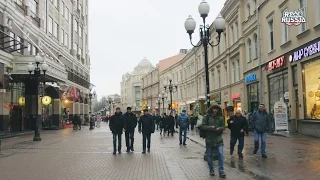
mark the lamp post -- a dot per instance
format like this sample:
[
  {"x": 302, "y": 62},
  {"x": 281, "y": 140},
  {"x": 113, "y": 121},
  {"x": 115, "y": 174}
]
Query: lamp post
[
  {"x": 219, "y": 25},
  {"x": 36, "y": 70},
  {"x": 162, "y": 96},
  {"x": 91, "y": 122},
  {"x": 170, "y": 88},
  {"x": 205, "y": 38}
]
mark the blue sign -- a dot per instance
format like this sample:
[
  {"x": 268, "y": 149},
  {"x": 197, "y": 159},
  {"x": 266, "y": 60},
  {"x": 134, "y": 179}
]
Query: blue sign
[{"x": 250, "y": 78}]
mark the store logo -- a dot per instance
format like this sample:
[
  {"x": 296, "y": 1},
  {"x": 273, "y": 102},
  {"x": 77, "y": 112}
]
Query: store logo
[
  {"x": 276, "y": 63},
  {"x": 293, "y": 18},
  {"x": 251, "y": 78},
  {"x": 305, "y": 52}
]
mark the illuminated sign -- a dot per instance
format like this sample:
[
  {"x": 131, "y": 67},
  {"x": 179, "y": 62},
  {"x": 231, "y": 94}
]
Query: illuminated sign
[
  {"x": 235, "y": 96},
  {"x": 305, "y": 52},
  {"x": 276, "y": 63},
  {"x": 21, "y": 101},
  {"x": 250, "y": 78},
  {"x": 46, "y": 100}
]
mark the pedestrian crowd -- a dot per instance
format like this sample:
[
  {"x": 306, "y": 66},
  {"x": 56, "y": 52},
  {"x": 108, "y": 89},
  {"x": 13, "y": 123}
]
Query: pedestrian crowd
[{"x": 210, "y": 126}]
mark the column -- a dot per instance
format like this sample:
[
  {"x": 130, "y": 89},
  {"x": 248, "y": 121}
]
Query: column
[
  {"x": 4, "y": 110},
  {"x": 76, "y": 108},
  {"x": 292, "y": 102},
  {"x": 56, "y": 113},
  {"x": 81, "y": 108},
  {"x": 300, "y": 93},
  {"x": 71, "y": 108}
]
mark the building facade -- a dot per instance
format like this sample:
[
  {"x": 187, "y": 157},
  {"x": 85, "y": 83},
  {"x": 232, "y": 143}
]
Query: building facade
[
  {"x": 57, "y": 30},
  {"x": 131, "y": 86},
  {"x": 150, "y": 90}
]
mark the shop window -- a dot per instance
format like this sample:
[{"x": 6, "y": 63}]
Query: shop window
[
  {"x": 312, "y": 90},
  {"x": 278, "y": 85},
  {"x": 253, "y": 102}
]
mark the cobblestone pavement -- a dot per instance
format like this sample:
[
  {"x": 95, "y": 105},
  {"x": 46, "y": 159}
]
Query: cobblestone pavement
[
  {"x": 293, "y": 158},
  {"x": 87, "y": 155}
]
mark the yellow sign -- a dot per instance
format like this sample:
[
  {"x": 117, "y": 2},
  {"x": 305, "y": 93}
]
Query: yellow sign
[
  {"x": 46, "y": 100},
  {"x": 21, "y": 101}
]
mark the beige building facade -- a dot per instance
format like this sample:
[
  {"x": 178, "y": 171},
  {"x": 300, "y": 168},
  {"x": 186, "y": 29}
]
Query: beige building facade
[{"x": 150, "y": 90}]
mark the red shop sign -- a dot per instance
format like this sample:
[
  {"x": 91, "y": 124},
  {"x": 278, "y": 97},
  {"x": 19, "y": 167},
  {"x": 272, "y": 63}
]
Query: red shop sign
[
  {"x": 276, "y": 63},
  {"x": 235, "y": 96}
]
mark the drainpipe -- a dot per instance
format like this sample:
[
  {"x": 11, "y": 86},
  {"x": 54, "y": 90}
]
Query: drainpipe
[{"x": 260, "y": 90}]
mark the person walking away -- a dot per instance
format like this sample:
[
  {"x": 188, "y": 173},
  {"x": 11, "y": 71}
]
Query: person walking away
[
  {"x": 146, "y": 127},
  {"x": 260, "y": 121},
  {"x": 116, "y": 126},
  {"x": 166, "y": 124},
  {"x": 193, "y": 122},
  {"x": 238, "y": 125},
  {"x": 213, "y": 125},
  {"x": 176, "y": 119},
  {"x": 183, "y": 123},
  {"x": 162, "y": 125},
  {"x": 130, "y": 123},
  {"x": 158, "y": 121},
  {"x": 171, "y": 124}
]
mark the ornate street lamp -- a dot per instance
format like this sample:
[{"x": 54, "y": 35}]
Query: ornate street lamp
[
  {"x": 219, "y": 25},
  {"x": 162, "y": 97},
  {"x": 36, "y": 70},
  {"x": 170, "y": 88}
]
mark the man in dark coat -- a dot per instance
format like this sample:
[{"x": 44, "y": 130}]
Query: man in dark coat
[
  {"x": 238, "y": 125},
  {"x": 171, "y": 124},
  {"x": 213, "y": 125},
  {"x": 116, "y": 125},
  {"x": 163, "y": 124},
  {"x": 260, "y": 122},
  {"x": 130, "y": 123},
  {"x": 147, "y": 127}
]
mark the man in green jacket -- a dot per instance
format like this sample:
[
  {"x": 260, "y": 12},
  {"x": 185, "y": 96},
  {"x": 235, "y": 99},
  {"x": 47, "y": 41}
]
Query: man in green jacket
[{"x": 213, "y": 125}]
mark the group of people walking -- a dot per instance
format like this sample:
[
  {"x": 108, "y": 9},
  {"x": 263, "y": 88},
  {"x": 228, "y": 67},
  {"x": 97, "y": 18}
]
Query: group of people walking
[
  {"x": 212, "y": 127},
  {"x": 128, "y": 122}
]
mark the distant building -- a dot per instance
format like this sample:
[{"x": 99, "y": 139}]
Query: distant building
[{"x": 131, "y": 87}]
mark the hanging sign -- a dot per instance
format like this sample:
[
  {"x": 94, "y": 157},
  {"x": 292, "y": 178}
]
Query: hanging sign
[
  {"x": 21, "y": 101},
  {"x": 46, "y": 100},
  {"x": 281, "y": 115}
]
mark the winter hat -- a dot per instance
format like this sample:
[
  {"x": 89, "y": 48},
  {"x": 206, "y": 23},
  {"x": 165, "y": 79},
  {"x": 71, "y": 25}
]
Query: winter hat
[{"x": 183, "y": 111}]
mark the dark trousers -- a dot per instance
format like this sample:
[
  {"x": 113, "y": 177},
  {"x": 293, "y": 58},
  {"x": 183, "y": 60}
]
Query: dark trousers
[
  {"x": 157, "y": 124},
  {"x": 115, "y": 136},
  {"x": 129, "y": 139},
  {"x": 170, "y": 130},
  {"x": 233, "y": 141},
  {"x": 146, "y": 137}
]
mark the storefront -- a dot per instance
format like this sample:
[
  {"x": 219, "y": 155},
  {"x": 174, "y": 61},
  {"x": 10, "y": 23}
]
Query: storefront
[
  {"x": 252, "y": 92},
  {"x": 236, "y": 102},
  {"x": 277, "y": 74}
]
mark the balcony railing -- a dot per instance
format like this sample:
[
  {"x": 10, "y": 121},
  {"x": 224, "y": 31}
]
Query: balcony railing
[{"x": 78, "y": 79}]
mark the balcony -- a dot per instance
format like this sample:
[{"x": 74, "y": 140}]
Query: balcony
[{"x": 78, "y": 78}]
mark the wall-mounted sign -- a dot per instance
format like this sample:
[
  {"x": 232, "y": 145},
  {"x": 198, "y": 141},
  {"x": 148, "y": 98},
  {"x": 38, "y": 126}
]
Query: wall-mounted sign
[
  {"x": 305, "y": 52},
  {"x": 216, "y": 97},
  {"x": 235, "y": 96},
  {"x": 250, "y": 78},
  {"x": 276, "y": 63},
  {"x": 46, "y": 100},
  {"x": 21, "y": 101}
]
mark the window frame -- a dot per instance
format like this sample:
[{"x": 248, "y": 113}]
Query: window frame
[
  {"x": 303, "y": 26},
  {"x": 271, "y": 34},
  {"x": 50, "y": 25}
]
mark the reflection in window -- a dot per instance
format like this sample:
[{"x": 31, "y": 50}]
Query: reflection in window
[
  {"x": 253, "y": 97},
  {"x": 278, "y": 85},
  {"x": 312, "y": 90}
]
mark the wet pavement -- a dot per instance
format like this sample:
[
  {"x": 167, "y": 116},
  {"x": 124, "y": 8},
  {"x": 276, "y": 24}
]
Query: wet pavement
[
  {"x": 87, "y": 155},
  {"x": 292, "y": 158}
]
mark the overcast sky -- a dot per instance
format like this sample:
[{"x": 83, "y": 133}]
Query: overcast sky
[{"x": 122, "y": 32}]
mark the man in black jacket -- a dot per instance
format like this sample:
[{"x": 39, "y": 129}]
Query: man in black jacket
[
  {"x": 171, "y": 124},
  {"x": 130, "y": 123},
  {"x": 116, "y": 125},
  {"x": 146, "y": 126},
  {"x": 238, "y": 125}
]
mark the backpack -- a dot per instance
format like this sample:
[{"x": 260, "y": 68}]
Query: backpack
[{"x": 202, "y": 132}]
